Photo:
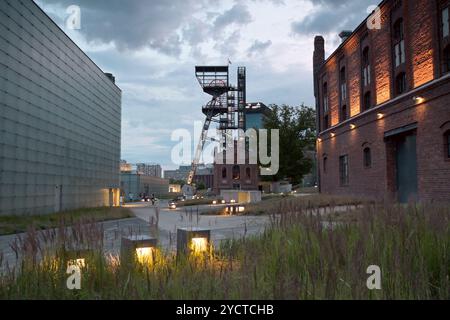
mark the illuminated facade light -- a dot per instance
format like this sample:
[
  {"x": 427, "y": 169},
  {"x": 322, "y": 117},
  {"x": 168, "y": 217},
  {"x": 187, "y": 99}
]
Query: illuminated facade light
[
  {"x": 319, "y": 140},
  {"x": 232, "y": 201},
  {"x": 380, "y": 115},
  {"x": 418, "y": 99},
  {"x": 352, "y": 126},
  {"x": 333, "y": 134},
  {"x": 193, "y": 241},
  {"x": 223, "y": 201},
  {"x": 139, "y": 248},
  {"x": 214, "y": 202}
]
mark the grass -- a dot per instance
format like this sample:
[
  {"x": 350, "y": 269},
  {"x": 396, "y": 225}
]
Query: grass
[
  {"x": 302, "y": 255},
  {"x": 18, "y": 224}
]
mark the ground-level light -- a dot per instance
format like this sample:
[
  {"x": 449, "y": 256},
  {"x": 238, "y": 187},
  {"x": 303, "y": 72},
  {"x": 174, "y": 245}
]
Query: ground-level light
[
  {"x": 172, "y": 205},
  {"x": 138, "y": 248},
  {"x": 234, "y": 209},
  {"x": 77, "y": 258},
  {"x": 194, "y": 241}
]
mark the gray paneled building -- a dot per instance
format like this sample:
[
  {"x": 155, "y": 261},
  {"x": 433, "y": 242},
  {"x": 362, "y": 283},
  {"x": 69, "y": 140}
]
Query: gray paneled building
[{"x": 60, "y": 118}]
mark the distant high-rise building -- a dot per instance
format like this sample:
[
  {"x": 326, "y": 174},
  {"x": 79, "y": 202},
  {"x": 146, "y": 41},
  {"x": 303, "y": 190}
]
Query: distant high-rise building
[{"x": 153, "y": 170}]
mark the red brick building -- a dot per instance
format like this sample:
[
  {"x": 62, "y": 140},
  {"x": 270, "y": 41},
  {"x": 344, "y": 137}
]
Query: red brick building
[
  {"x": 234, "y": 175},
  {"x": 383, "y": 105}
]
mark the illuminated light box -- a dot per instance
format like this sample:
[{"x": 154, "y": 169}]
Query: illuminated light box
[
  {"x": 77, "y": 258},
  {"x": 193, "y": 241},
  {"x": 138, "y": 248}
]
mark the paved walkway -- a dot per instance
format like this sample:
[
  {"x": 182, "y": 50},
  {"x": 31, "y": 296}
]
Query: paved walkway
[{"x": 222, "y": 227}]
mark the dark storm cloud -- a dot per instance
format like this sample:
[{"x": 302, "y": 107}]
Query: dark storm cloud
[
  {"x": 334, "y": 16},
  {"x": 258, "y": 47},
  {"x": 134, "y": 24}
]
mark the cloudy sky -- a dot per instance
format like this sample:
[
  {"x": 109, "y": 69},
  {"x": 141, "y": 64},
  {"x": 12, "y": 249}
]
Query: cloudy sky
[{"x": 152, "y": 47}]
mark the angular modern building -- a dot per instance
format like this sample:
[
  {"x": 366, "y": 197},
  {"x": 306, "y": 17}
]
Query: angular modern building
[
  {"x": 60, "y": 119},
  {"x": 383, "y": 105}
]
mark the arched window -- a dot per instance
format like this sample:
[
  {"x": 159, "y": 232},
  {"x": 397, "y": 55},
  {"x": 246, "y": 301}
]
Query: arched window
[
  {"x": 248, "y": 173},
  {"x": 325, "y": 98},
  {"x": 236, "y": 172},
  {"x": 399, "y": 43},
  {"x": 367, "y": 101},
  {"x": 344, "y": 113},
  {"x": 224, "y": 173},
  {"x": 365, "y": 67},
  {"x": 367, "y": 157},
  {"x": 446, "y": 60},
  {"x": 447, "y": 144},
  {"x": 400, "y": 83},
  {"x": 343, "y": 83}
]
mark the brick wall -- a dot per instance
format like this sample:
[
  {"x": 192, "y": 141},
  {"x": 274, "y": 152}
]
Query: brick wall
[{"x": 432, "y": 116}]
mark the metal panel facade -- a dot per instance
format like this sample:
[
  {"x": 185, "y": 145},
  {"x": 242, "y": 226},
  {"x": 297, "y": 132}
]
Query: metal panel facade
[{"x": 60, "y": 118}]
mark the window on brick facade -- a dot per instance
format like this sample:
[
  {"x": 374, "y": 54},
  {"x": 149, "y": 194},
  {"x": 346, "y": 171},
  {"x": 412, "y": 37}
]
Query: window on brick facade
[
  {"x": 365, "y": 67},
  {"x": 224, "y": 173},
  {"x": 325, "y": 98},
  {"x": 326, "y": 122},
  {"x": 344, "y": 113},
  {"x": 446, "y": 60},
  {"x": 343, "y": 170},
  {"x": 343, "y": 84},
  {"x": 447, "y": 144},
  {"x": 367, "y": 101},
  {"x": 400, "y": 83},
  {"x": 445, "y": 23},
  {"x": 236, "y": 172},
  {"x": 367, "y": 157},
  {"x": 325, "y": 160},
  {"x": 399, "y": 43}
]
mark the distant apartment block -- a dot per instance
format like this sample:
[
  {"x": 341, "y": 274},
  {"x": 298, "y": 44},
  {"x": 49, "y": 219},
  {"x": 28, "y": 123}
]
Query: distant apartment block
[
  {"x": 153, "y": 170},
  {"x": 60, "y": 119}
]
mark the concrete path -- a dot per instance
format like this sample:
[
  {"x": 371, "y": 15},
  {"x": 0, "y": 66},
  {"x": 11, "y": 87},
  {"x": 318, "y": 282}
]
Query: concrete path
[{"x": 222, "y": 227}]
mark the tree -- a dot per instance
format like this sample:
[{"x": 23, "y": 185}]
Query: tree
[{"x": 297, "y": 127}]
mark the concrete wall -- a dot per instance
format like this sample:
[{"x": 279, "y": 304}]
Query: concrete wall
[
  {"x": 137, "y": 184},
  {"x": 60, "y": 118}
]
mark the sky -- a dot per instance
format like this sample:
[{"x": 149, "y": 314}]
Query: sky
[{"x": 153, "y": 46}]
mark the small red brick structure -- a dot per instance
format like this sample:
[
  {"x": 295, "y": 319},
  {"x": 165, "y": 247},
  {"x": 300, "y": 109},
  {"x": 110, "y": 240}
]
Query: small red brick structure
[
  {"x": 383, "y": 105},
  {"x": 235, "y": 175}
]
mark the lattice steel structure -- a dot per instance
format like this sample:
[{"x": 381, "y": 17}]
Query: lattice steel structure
[{"x": 226, "y": 107}]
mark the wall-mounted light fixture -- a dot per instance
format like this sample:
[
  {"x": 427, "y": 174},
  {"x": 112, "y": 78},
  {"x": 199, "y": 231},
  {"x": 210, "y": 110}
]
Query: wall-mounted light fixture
[
  {"x": 332, "y": 134},
  {"x": 214, "y": 202},
  {"x": 223, "y": 201},
  {"x": 195, "y": 241},
  {"x": 380, "y": 115},
  {"x": 352, "y": 126},
  {"x": 138, "y": 248},
  {"x": 319, "y": 139},
  {"x": 418, "y": 99}
]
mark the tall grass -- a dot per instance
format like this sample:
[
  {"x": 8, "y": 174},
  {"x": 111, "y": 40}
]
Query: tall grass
[{"x": 302, "y": 255}]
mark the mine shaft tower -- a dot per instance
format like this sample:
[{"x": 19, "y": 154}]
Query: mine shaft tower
[{"x": 226, "y": 107}]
